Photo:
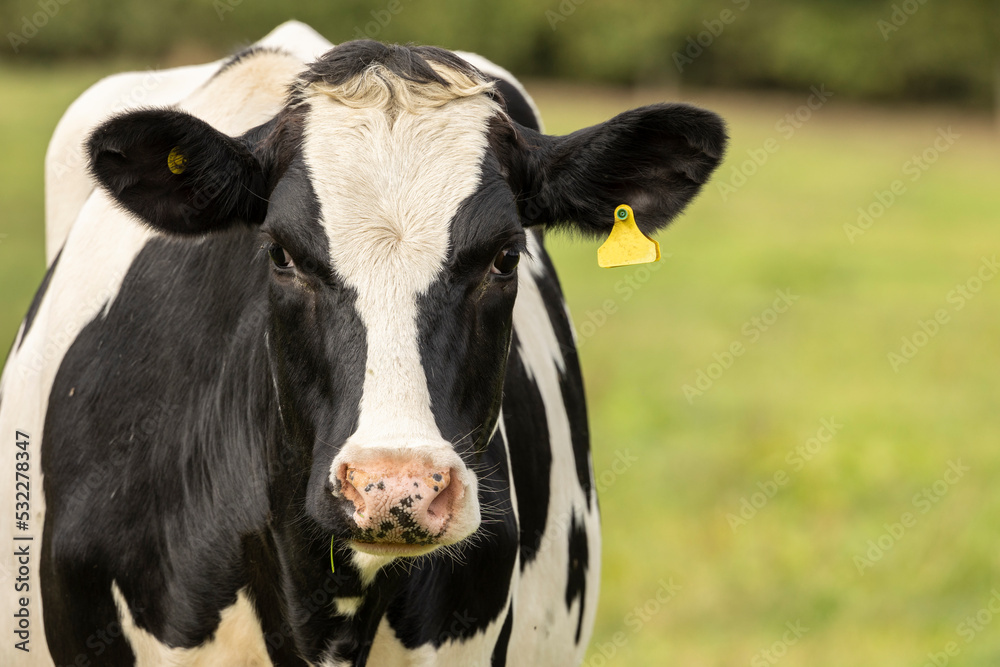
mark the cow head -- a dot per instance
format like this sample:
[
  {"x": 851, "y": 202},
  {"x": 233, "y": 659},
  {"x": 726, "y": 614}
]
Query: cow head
[{"x": 391, "y": 197}]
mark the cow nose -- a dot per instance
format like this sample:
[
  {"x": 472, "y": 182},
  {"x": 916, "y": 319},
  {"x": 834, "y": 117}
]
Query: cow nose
[{"x": 400, "y": 503}]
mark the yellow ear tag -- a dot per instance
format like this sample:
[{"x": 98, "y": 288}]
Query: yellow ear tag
[
  {"x": 332, "y": 569},
  {"x": 627, "y": 244},
  {"x": 176, "y": 161}
]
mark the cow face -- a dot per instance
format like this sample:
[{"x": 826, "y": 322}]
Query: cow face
[{"x": 391, "y": 197}]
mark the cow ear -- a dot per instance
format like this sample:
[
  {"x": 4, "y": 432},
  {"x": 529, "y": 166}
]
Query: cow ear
[
  {"x": 177, "y": 172},
  {"x": 654, "y": 158}
]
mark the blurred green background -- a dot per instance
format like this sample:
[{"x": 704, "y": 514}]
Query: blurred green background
[
  {"x": 814, "y": 481},
  {"x": 906, "y": 49}
]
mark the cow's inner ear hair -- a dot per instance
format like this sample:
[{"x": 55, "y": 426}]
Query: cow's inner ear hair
[{"x": 178, "y": 173}]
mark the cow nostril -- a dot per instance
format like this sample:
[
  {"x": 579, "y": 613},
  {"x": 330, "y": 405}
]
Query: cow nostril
[
  {"x": 445, "y": 494},
  {"x": 399, "y": 502},
  {"x": 349, "y": 478}
]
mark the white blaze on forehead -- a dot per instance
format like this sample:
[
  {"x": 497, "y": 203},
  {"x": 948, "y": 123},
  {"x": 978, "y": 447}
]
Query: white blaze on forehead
[{"x": 388, "y": 188}]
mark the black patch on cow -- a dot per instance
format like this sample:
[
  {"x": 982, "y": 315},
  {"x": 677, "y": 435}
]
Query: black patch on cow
[
  {"x": 94, "y": 612},
  {"x": 261, "y": 563},
  {"x": 576, "y": 582},
  {"x": 464, "y": 320},
  {"x": 571, "y": 385},
  {"x": 458, "y": 314},
  {"x": 530, "y": 453},
  {"x": 292, "y": 223},
  {"x": 499, "y": 657},
  {"x": 29, "y": 319},
  {"x": 517, "y": 106},
  {"x": 318, "y": 352},
  {"x": 156, "y": 466}
]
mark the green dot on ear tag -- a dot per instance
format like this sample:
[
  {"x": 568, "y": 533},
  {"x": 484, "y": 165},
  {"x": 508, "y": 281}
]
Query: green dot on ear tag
[{"x": 622, "y": 214}]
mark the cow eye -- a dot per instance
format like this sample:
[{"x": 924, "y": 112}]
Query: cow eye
[
  {"x": 505, "y": 262},
  {"x": 279, "y": 256}
]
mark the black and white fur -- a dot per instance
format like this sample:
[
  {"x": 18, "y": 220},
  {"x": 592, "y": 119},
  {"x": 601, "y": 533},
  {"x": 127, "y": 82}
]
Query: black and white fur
[{"x": 324, "y": 280}]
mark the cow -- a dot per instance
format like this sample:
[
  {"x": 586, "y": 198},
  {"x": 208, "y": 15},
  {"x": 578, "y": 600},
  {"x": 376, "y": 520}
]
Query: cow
[{"x": 299, "y": 386}]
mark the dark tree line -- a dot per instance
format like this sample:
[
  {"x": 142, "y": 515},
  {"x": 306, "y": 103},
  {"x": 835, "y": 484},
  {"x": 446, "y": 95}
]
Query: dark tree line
[{"x": 900, "y": 49}]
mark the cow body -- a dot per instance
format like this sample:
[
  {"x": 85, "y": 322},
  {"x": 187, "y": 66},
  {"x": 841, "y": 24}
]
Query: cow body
[{"x": 221, "y": 443}]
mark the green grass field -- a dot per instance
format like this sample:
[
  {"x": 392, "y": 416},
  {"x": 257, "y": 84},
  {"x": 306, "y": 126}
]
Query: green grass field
[{"x": 805, "y": 482}]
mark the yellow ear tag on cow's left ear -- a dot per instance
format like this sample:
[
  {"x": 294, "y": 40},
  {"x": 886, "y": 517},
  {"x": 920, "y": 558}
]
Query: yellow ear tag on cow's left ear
[
  {"x": 176, "y": 162},
  {"x": 627, "y": 244}
]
